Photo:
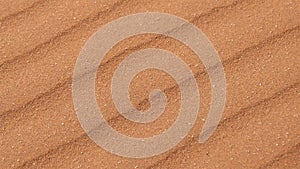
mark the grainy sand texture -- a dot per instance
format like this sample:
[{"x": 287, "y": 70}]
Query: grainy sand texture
[{"x": 258, "y": 43}]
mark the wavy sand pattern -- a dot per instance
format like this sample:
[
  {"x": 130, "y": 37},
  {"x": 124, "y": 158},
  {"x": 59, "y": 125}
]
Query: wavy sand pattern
[{"x": 258, "y": 42}]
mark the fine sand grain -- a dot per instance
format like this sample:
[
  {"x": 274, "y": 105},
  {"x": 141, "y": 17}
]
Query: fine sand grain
[{"x": 257, "y": 41}]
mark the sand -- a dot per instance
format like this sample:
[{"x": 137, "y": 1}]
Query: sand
[{"x": 257, "y": 41}]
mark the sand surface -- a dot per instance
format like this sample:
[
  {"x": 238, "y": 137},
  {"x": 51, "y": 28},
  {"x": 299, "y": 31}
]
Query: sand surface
[{"x": 258, "y": 43}]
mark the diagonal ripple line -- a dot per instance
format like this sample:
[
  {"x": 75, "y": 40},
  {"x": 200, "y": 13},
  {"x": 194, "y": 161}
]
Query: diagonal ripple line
[
  {"x": 83, "y": 84},
  {"x": 91, "y": 19},
  {"x": 280, "y": 93},
  {"x": 269, "y": 41}
]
